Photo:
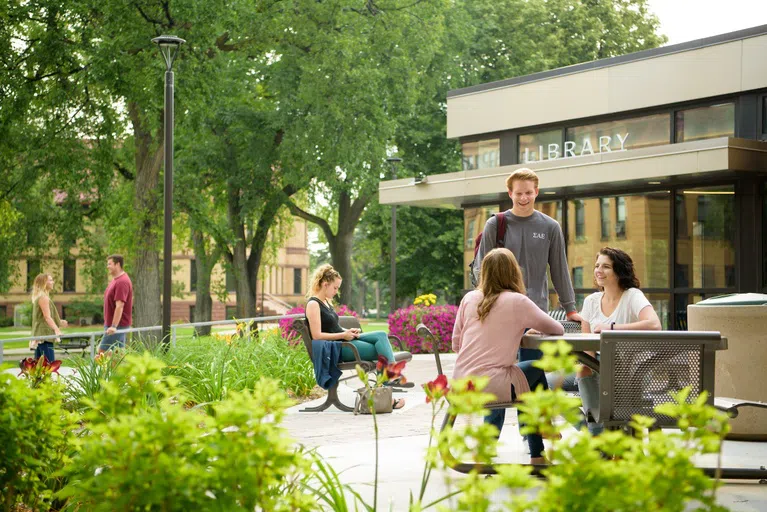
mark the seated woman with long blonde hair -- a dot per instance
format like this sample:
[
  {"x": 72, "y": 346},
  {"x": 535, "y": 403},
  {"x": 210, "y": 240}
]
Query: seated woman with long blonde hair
[
  {"x": 488, "y": 330},
  {"x": 323, "y": 322}
]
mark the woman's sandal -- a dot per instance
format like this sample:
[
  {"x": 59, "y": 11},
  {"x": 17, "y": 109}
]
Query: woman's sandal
[{"x": 398, "y": 403}]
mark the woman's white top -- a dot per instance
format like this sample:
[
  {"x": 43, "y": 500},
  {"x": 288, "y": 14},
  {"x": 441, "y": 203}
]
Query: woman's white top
[{"x": 631, "y": 303}]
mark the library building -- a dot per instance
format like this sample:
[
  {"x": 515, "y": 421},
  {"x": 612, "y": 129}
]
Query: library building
[{"x": 662, "y": 153}]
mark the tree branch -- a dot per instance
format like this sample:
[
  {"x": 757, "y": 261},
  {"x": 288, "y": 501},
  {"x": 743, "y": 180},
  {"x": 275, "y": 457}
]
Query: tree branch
[
  {"x": 322, "y": 223},
  {"x": 124, "y": 172},
  {"x": 145, "y": 15}
]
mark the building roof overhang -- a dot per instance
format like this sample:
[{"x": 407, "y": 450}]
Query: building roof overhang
[{"x": 612, "y": 172}]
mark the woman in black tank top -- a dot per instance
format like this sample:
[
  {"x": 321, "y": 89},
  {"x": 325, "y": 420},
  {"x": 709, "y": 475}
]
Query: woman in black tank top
[{"x": 323, "y": 320}]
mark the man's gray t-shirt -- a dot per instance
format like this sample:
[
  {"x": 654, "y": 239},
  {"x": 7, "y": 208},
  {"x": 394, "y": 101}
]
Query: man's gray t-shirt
[{"x": 537, "y": 242}]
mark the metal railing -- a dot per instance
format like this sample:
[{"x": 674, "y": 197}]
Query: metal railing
[{"x": 92, "y": 335}]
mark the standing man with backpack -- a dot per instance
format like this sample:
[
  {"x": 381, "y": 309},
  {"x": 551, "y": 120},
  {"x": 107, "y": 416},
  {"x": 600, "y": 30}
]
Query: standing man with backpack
[{"x": 537, "y": 242}]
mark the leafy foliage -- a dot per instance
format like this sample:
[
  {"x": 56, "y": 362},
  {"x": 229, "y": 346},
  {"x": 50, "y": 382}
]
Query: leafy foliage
[
  {"x": 168, "y": 457},
  {"x": 36, "y": 441},
  {"x": 209, "y": 370}
]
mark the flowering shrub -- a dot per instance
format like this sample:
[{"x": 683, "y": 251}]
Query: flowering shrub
[
  {"x": 286, "y": 324},
  {"x": 439, "y": 319}
]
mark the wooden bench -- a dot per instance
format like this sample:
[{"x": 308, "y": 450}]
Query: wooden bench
[{"x": 347, "y": 322}]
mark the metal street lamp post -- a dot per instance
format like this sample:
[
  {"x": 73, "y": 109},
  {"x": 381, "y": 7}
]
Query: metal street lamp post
[
  {"x": 169, "y": 46},
  {"x": 393, "y": 161}
]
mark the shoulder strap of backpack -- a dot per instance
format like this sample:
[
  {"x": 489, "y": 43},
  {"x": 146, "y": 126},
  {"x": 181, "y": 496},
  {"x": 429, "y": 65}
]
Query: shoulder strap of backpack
[{"x": 500, "y": 219}]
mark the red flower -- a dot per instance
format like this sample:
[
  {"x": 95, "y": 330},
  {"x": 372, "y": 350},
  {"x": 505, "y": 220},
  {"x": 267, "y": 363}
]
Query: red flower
[
  {"x": 36, "y": 370},
  {"x": 381, "y": 364},
  {"x": 437, "y": 388},
  {"x": 27, "y": 364},
  {"x": 470, "y": 386}
]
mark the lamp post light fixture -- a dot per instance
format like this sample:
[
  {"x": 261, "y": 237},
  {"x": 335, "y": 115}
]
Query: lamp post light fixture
[
  {"x": 169, "y": 46},
  {"x": 393, "y": 162}
]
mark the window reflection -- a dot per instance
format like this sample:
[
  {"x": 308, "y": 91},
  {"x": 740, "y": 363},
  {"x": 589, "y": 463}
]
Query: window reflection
[
  {"x": 482, "y": 154},
  {"x": 644, "y": 235},
  {"x": 764, "y": 237},
  {"x": 705, "y": 122},
  {"x": 705, "y": 248},
  {"x": 639, "y": 132},
  {"x": 682, "y": 301},
  {"x": 474, "y": 220},
  {"x": 535, "y": 146}
]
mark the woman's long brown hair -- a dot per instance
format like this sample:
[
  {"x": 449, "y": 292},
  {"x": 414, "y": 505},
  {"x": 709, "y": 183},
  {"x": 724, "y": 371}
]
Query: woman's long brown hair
[{"x": 500, "y": 273}]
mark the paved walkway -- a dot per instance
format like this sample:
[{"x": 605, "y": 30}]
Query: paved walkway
[{"x": 347, "y": 442}]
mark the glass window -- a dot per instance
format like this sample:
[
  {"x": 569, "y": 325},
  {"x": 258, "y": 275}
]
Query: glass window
[
  {"x": 191, "y": 314},
  {"x": 604, "y": 208},
  {"x": 682, "y": 301},
  {"x": 660, "y": 303},
  {"x": 539, "y": 146},
  {"x": 623, "y": 134},
  {"x": 33, "y": 269},
  {"x": 297, "y": 284},
  {"x": 70, "y": 275},
  {"x": 577, "y": 277},
  {"x": 764, "y": 117},
  {"x": 706, "y": 257},
  {"x": 646, "y": 241},
  {"x": 474, "y": 220},
  {"x": 551, "y": 208},
  {"x": 580, "y": 219},
  {"x": 193, "y": 275},
  {"x": 620, "y": 217},
  {"x": 705, "y": 122},
  {"x": 230, "y": 312},
  {"x": 481, "y": 154},
  {"x": 3, "y": 311},
  {"x": 764, "y": 237}
]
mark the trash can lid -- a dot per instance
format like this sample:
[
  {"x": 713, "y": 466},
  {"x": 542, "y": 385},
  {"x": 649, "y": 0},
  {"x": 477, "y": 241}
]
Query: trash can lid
[{"x": 735, "y": 299}]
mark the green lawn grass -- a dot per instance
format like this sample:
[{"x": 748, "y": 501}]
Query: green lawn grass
[{"x": 374, "y": 325}]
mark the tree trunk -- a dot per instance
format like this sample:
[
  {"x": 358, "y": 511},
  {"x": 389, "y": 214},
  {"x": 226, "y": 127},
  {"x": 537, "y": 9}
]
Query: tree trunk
[
  {"x": 147, "y": 308},
  {"x": 341, "y": 256},
  {"x": 246, "y": 301},
  {"x": 204, "y": 263},
  {"x": 260, "y": 235}
]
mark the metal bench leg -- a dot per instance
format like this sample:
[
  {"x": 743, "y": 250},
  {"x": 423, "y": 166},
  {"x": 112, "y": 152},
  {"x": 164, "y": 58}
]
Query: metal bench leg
[{"x": 332, "y": 399}]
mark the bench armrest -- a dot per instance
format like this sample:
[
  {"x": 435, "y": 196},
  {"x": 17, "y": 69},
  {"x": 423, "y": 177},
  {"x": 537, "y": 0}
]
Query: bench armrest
[
  {"x": 351, "y": 346},
  {"x": 396, "y": 341}
]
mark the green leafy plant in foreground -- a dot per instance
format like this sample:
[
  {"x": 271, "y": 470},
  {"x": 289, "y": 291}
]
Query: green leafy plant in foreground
[
  {"x": 146, "y": 451},
  {"x": 36, "y": 434}
]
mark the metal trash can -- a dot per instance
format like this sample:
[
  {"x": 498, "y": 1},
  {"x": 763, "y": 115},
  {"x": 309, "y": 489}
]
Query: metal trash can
[{"x": 742, "y": 319}]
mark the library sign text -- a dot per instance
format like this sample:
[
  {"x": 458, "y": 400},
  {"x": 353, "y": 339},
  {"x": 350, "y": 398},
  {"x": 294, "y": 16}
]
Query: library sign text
[{"x": 553, "y": 153}]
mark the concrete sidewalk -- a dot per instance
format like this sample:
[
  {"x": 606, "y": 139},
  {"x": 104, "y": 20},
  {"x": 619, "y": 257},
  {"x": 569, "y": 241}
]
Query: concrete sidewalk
[{"x": 347, "y": 442}]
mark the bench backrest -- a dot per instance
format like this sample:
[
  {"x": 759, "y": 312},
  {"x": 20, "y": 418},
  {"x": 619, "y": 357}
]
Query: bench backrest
[
  {"x": 639, "y": 370},
  {"x": 301, "y": 326}
]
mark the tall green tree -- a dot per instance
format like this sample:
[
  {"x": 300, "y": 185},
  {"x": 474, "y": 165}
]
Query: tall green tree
[
  {"x": 55, "y": 169},
  {"x": 360, "y": 63},
  {"x": 486, "y": 41}
]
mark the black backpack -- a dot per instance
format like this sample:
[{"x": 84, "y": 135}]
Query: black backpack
[{"x": 500, "y": 219}]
